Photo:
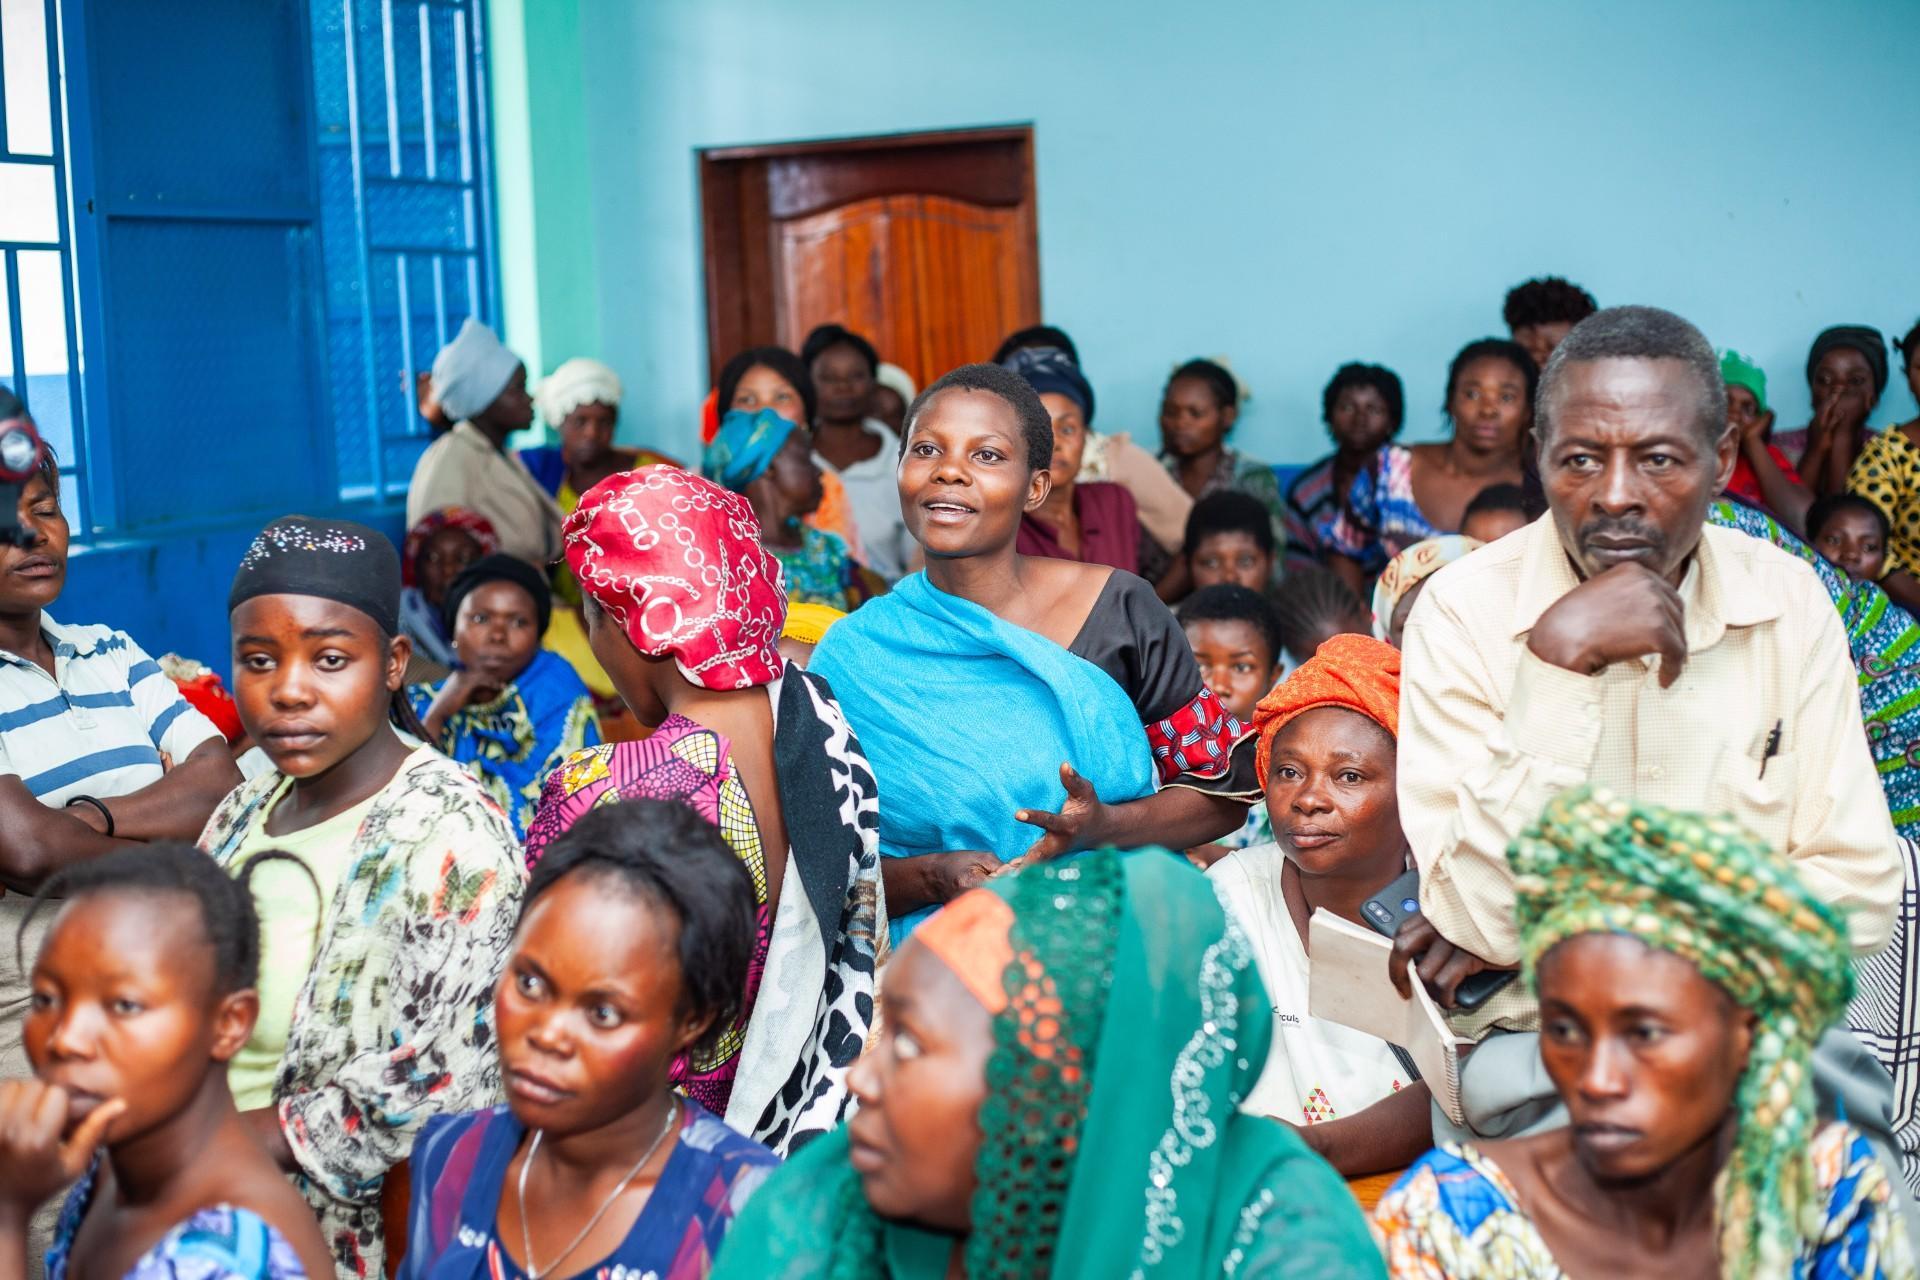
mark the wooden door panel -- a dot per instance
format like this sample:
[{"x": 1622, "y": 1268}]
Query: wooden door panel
[
  {"x": 925, "y": 243},
  {"x": 934, "y": 282}
]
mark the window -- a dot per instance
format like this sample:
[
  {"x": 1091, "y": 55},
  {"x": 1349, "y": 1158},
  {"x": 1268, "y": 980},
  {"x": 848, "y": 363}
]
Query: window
[
  {"x": 39, "y": 332},
  {"x": 405, "y": 213}
]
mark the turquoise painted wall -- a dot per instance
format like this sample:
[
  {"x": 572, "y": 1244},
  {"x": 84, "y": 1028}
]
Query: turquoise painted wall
[{"x": 1296, "y": 185}]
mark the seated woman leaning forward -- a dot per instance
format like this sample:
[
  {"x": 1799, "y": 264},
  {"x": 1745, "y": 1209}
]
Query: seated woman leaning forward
[
  {"x": 380, "y": 950},
  {"x": 984, "y": 686},
  {"x": 1326, "y": 760},
  {"x": 512, "y": 711},
  {"x": 1054, "y": 1094},
  {"x": 142, "y": 992},
  {"x": 632, "y": 949},
  {"x": 684, "y": 611},
  {"x": 1684, "y": 975}
]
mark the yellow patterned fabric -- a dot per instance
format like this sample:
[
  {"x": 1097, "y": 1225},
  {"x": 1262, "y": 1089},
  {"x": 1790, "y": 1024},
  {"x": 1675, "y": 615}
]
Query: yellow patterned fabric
[{"x": 1887, "y": 474}]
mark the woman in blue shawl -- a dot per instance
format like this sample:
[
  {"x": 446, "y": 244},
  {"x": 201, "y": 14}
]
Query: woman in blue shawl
[
  {"x": 1017, "y": 705},
  {"x": 512, "y": 711}
]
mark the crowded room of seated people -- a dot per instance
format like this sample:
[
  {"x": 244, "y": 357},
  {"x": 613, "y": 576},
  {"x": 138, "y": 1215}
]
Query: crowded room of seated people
[{"x": 943, "y": 657}]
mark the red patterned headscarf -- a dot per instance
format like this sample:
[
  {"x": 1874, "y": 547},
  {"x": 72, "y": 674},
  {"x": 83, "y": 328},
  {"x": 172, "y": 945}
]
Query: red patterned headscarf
[
  {"x": 433, "y": 522},
  {"x": 677, "y": 561}
]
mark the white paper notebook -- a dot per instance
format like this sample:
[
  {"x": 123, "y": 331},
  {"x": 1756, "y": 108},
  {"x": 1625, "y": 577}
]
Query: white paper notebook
[{"x": 1349, "y": 985}]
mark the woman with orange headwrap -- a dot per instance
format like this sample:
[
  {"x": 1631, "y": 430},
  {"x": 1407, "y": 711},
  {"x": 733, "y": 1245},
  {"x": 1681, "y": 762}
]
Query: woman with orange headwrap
[{"x": 1326, "y": 762}]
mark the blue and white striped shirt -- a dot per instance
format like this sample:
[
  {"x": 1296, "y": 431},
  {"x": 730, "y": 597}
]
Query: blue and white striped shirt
[{"x": 99, "y": 724}]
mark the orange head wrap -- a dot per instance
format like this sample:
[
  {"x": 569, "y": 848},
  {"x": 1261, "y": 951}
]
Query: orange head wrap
[
  {"x": 973, "y": 937},
  {"x": 1357, "y": 672}
]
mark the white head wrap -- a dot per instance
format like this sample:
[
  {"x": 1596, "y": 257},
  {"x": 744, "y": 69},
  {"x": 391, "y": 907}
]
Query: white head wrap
[
  {"x": 892, "y": 375},
  {"x": 579, "y": 381},
  {"x": 471, "y": 371}
]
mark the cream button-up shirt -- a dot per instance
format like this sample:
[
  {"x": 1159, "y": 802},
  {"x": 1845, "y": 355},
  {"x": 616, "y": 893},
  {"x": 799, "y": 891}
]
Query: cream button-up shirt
[
  {"x": 463, "y": 469},
  {"x": 1489, "y": 732}
]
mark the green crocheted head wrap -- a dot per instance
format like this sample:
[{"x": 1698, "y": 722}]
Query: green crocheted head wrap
[{"x": 1714, "y": 895}]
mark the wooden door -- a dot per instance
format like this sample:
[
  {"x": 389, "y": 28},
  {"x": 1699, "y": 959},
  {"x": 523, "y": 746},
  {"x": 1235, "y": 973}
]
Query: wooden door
[{"x": 923, "y": 243}]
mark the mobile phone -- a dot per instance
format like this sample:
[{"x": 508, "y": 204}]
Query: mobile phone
[{"x": 1388, "y": 909}]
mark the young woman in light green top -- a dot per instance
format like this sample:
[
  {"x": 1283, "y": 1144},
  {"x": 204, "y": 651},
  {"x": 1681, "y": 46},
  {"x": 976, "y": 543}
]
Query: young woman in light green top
[{"x": 382, "y": 945}]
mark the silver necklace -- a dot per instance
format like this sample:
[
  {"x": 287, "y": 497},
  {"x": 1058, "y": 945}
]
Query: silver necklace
[{"x": 526, "y": 1236}]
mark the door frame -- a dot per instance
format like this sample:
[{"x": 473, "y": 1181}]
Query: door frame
[{"x": 736, "y": 223}]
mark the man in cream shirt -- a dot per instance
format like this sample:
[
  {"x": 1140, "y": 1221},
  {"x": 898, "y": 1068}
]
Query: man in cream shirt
[{"x": 1624, "y": 642}]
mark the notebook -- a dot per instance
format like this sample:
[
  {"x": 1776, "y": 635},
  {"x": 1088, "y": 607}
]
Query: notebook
[{"x": 1348, "y": 984}]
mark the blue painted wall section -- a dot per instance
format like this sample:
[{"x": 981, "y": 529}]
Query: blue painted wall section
[{"x": 1295, "y": 185}]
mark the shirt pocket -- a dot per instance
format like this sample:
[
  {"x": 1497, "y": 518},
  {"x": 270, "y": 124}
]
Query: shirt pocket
[{"x": 1763, "y": 805}]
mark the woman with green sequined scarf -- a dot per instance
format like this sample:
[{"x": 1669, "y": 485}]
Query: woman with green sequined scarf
[
  {"x": 1684, "y": 976},
  {"x": 1056, "y": 1095}
]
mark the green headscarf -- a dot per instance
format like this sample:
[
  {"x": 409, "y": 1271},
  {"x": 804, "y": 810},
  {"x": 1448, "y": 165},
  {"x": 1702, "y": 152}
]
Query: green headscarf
[
  {"x": 1147, "y": 1168},
  {"x": 1717, "y": 897},
  {"x": 1737, "y": 370}
]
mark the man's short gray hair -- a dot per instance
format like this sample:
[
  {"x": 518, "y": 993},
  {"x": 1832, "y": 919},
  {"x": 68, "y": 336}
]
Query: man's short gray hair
[{"x": 1638, "y": 333}]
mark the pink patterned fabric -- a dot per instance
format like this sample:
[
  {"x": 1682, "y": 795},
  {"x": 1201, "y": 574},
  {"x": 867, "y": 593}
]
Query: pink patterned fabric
[
  {"x": 677, "y": 561},
  {"x": 685, "y": 762}
]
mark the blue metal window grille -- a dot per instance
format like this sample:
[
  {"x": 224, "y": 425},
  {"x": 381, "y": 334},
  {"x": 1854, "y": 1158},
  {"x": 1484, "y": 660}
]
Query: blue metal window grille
[
  {"x": 40, "y": 353},
  {"x": 406, "y": 214}
]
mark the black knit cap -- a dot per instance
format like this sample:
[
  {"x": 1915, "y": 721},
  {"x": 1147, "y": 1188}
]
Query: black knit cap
[
  {"x": 334, "y": 560},
  {"x": 499, "y": 567}
]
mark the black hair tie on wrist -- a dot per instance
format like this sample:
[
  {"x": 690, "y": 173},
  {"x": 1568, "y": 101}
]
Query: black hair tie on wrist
[{"x": 105, "y": 813}]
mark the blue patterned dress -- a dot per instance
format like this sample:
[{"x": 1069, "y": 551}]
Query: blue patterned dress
[
  {"x": 460, "y": 1167},
  {"x": 1455, "y": 1216},
  {"x": 216, "y": 1243}
]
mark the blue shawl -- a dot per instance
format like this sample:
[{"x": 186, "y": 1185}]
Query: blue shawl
[{"x": 967, "y": 719}]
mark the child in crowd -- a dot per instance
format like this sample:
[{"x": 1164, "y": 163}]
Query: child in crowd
[
  {"x": 436, "y": 552},
  {"x": 1495, "y": 512},
  {"x": 632, "y": 949},
  {"x": 512, "y": 711},
  {"x": 144, "y": 990},
  {"x": 1312, "y": 606},
  {"x": 1235, "y": 638},
  {"x": 1851, "y": 532},
  {"x": 1230, "y": 540}
]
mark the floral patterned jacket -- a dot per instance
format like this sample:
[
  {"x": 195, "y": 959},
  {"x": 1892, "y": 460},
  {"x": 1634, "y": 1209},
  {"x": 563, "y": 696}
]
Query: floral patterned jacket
[{"x": 395, "y": 1022}]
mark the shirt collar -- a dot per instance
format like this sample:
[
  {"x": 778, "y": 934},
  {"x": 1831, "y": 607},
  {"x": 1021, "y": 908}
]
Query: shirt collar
[
  {"x": 1717, "y": 590},
  {"x": 66, "y": 644}
]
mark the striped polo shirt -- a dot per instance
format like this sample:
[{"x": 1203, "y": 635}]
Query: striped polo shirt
[{"x": 98, "y": 724}]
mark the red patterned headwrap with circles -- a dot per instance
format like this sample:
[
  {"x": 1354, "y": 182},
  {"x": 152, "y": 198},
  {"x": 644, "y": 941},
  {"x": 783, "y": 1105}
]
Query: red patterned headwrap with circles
[{"x": 677, "y": 561}]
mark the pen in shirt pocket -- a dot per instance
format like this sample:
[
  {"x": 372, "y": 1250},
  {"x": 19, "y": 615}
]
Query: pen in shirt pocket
[{"x": 1772, "y": 748}]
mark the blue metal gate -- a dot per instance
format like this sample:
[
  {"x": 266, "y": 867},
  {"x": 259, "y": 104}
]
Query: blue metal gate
[{"x": 406, "y": 213}]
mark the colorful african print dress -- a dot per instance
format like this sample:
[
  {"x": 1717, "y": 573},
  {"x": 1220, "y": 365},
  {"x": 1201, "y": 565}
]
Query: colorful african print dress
[
  {"x": 220, "y": 1242},
  {"x": 1382, "y": 518},
  {"x": 514, "y": 741},
  {"x": 460, "y": 1168},
  {"x": 1455, "y": 1216},
  {"x": 1884, "y": 641},
  {"x": 779, "y": 1073},
  {"x": 1311, "y": 502},
  {"x": 1887, "y": 474}
]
